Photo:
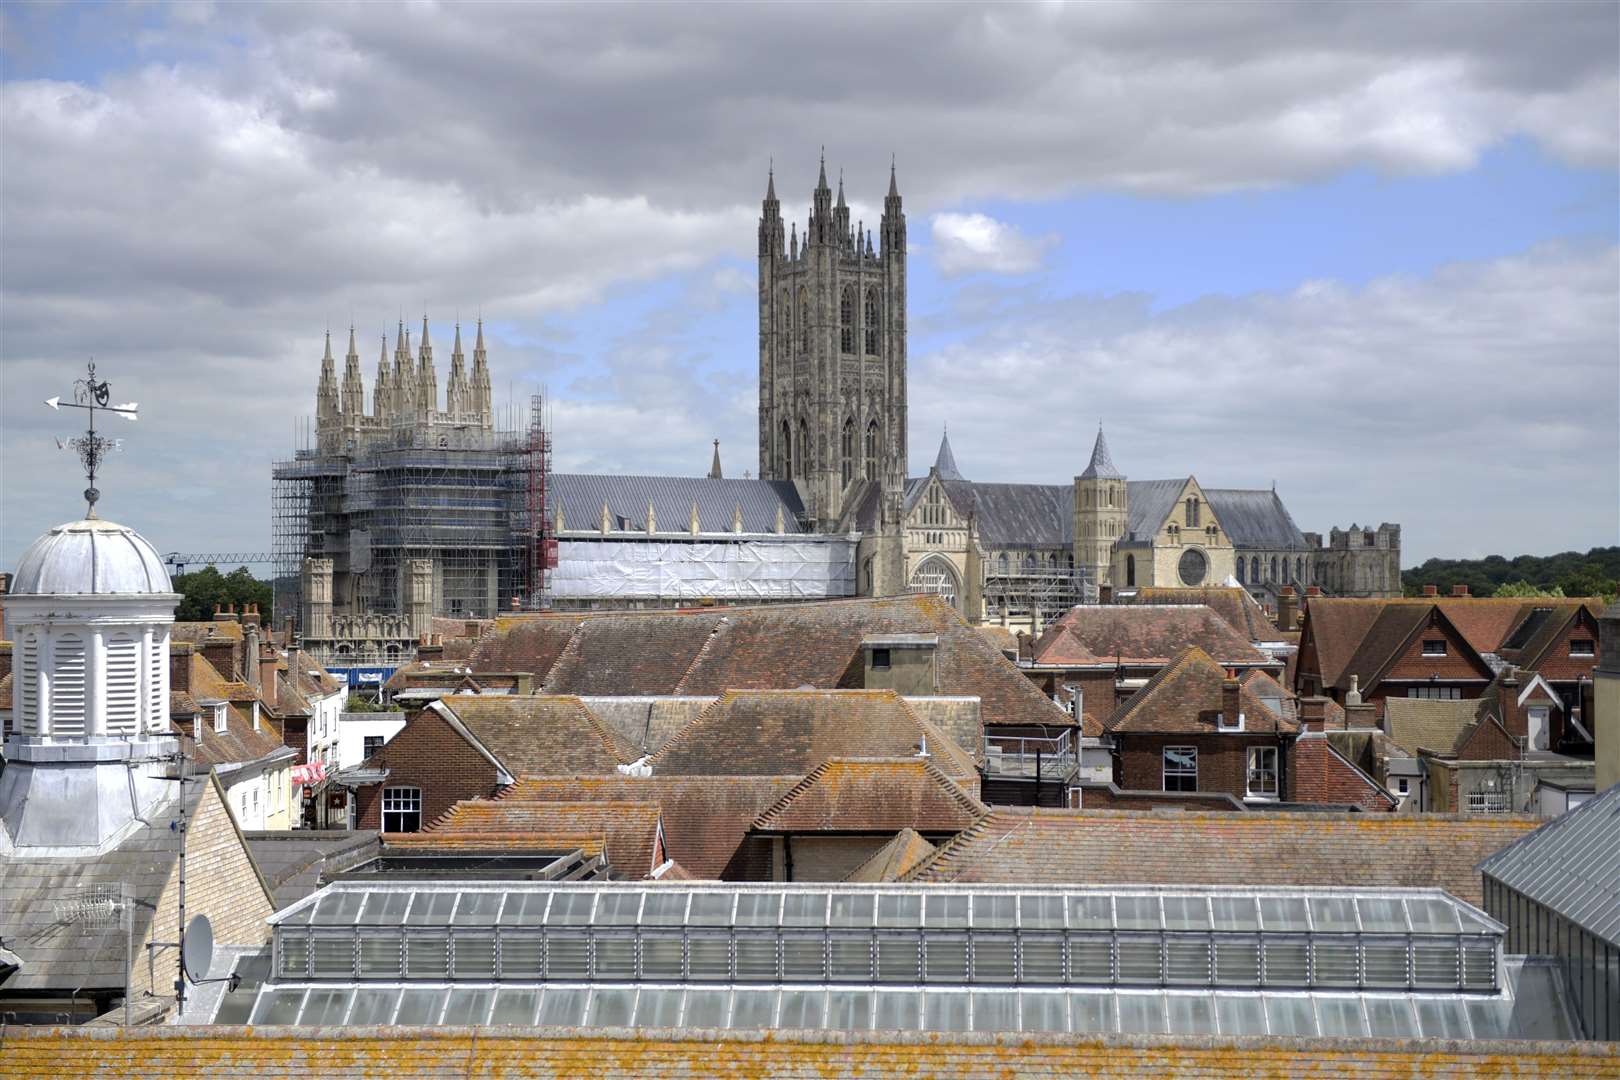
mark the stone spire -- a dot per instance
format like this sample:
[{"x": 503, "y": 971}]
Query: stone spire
[
  {"x": 821, "y": 217},
  {"x": 404, "y": 377},
  {"x": 1102, "y": 463},
  {"x": 770, "y": 221},
  {"x": 427, "y": 379},
  {"x": 455, "y": 393},
  {"x": 945, "y": 461},
  {"x": 892, "y": 229},
  {"x": 354, "y": 385},
  {"x": 326, "y": 394},
  {"x": 382, "y": 395},
  {"x": 714, "y": 466},
  {"x": 480, "y": 381}
]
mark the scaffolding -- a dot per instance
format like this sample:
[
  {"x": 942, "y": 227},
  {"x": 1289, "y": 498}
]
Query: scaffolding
[
  {"x": 472, "y": 501},
  {"x": 1019, "y": 592}
]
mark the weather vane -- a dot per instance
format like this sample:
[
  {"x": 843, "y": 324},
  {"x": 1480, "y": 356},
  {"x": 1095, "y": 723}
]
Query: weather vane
[{"x": 92, "y": 395}]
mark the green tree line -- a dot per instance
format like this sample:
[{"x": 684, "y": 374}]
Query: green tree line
[
  {"x": 202, "y": 589},
  {"x": 1570, "y": 573}
]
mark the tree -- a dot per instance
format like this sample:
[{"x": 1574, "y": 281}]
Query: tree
[
  {"x": 203, "y": 590},
  {"x": 1525, "y": 589}
]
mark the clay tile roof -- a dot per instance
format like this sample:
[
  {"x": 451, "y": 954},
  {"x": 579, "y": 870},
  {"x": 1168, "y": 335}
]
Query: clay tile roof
[
  {"x": 872, "y": 795},
  {"x": 1184, "y": 697},
  {"x": 1116, "y": 847},
  {"x": 629, "y": 830},
  {"x": 782, "y": 732},
  {"x": 776, "y": 647},
  {"x": 705, "y": 818},
  {"x": 894, "y": 860},
  {"x": 200, "y": 631},
  {"x": 1241, "y": 611},
  {"x": 544, "y": 734},
  {"x": 1142, "y": 634},
  {"x": 1415, "y": 723}
]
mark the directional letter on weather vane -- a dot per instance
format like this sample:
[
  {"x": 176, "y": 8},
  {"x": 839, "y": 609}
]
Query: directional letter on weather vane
[{"x": 92, "y": 396}]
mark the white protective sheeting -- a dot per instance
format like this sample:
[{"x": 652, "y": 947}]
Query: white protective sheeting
[{"x": 757, "y": 568}]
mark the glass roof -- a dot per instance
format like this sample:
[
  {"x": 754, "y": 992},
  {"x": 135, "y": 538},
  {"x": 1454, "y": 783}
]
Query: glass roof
[
  {"x": 1343, "y": 1015},
  {"x": 1418, "y": 911}
]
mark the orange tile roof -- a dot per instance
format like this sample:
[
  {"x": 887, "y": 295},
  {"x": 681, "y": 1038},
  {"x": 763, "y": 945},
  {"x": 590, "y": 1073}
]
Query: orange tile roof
[
  {"x": 1125, "y": 847},
  {"x": 790, "y": 732},
  {"x": 872, "y": 795},
  {"x": 1185, "y": 697},
  {"x": 894, "y": 860},
  {"x": 1142, "y": 634},
  {"x": 544, "y": 734},
  {"x": 630, "y": 829},
  {"x": 1235, "y": 605},
  {"x": 331, "y": 1053}
]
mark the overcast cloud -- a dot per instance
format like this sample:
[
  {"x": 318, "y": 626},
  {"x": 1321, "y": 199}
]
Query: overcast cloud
[{"x": 190, "y": 194}]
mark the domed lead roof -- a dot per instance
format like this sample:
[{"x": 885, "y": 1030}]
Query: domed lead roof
[{"x": 90, "y": 557}]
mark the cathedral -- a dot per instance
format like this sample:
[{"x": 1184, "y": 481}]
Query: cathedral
[{"x": 383, "y": 522}]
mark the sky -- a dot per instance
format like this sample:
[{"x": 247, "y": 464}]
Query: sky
[{"x": 1367, "y": 253}]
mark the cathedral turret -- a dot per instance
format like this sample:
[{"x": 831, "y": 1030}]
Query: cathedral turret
[
  {"x": 354, "y": 386},
  {"x": 841, "y": 215},
  {"x": 821, "y": 209},
  {"x": 455, "y": 393},
  {"x": 480, "y": 381},
  {"x": 326, "y": 395},
  {"x": 770, "y": 221},
  {"x": 1100, "y": 513},
  {"x": 382, "y": 395},
  {"x": 404, "y": 379},
  {"x": 427, "y": 380}
]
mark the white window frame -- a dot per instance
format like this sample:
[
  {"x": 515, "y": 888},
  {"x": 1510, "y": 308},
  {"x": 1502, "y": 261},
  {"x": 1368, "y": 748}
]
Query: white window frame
[
  {"x": 402, "y": 800},
  {"x": 1252, "y": 771},
  {"x": 1588, "y": 652},
  {"x": 1165, "y": 772},
  {"x": 1442, "y": 651},
  {"x": 221, "y": 722}
]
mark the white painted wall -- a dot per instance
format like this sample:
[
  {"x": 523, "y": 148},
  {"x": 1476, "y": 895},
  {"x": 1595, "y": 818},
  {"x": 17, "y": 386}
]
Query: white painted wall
[{"x": 353, "y": 729}]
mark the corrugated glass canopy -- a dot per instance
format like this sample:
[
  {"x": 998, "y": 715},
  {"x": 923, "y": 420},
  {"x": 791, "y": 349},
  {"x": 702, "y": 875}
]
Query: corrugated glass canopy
[{"x": 1302, "y": 940}]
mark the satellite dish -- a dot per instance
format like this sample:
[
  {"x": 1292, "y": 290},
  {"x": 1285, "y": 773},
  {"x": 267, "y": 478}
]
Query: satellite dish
[{"x": 198, "y": 955}]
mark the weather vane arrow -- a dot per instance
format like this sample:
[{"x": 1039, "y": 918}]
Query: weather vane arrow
[{"x": 93, "y": 396}]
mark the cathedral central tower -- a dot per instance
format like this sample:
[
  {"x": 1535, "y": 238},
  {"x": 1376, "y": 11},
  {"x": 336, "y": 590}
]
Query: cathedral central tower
[{"x": 832, "y": 351}]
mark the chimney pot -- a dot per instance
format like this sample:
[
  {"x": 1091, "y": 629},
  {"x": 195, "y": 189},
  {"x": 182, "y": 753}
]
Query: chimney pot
[
  {"x": 1313, "y": 590},
  {"x": 1431, "y": 590}
]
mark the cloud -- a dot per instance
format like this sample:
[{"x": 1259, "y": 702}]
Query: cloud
[
  {"x": 966, "y": 243},
  {"x": 1475, "y": 405}
]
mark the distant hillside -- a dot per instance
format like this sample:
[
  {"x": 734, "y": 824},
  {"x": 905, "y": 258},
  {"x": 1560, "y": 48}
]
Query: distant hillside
[{"x": 1596, "y": 573}]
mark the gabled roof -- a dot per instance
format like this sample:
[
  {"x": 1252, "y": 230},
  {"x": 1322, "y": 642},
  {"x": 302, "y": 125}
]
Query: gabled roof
[
  {"x": 1571, "y": 865},
  {"x": 782, "y": 646},
  {"x": 706, "y": 818},
  {"x": 628, "y": 831},
  {"x": 1118, "y": 847},
  {"x": 894, "y": 860},
  {"x": 783, "y": 732},
  {"x": 544, "y": 734},
  {"x": 239, "y": 742},
  {"x": 1185, "y": 696},
  {"x": 1233, "y": 604},
  {"x": 1323, "y": 775},
  {"x": 1537, "y": 645},
  {"x": 1417, "y": 723},
  {"x": 1141, "y": 634},
  {"x": 1388, "y": 639},
  {"x": 1255, "y": 518},
  {"x": 582, "y": 496},
  {"x": 872, "y": 795},
  {"x": 1150, "y": 503}
]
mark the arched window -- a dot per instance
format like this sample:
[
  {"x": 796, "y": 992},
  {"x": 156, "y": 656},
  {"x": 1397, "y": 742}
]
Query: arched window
[
  {"x": 873, "y": 441},
  {"x": 1274, "y": 568},
  {"x": 1029, "y": 561},
  {"x": 846, "y": 320},
  {"x": 787, "y": 318},
  {"x": 804, "y": 321},
  {"x": 804, "y": 449},
  {"x": 1254, "y": 570},
  {"x": 846, "y": 448},
  {"x": 1192, "y": 512},
  {"x": 936, "y": 575},
  {"x": 1242, "y": 568},
  {"x": 787, "y": 450},
  {"x": 871, "y": 322},
  {"x": 1130, "y": 571},
  {"x": 1001, "y": 563},
  {"x": 1299, "y": 569}
]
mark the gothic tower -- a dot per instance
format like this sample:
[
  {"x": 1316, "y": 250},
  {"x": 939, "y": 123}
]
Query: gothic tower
[
  {"x": 1100, "y": 512},
  {"x": 832, "y": 352}
]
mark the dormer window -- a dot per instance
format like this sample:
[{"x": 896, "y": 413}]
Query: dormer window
[
  {"x": 1225, "y": 723},
  {"x": 219, "y": 718}
]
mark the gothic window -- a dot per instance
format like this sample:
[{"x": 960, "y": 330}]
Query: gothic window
[
  {"x": 787, "y": 314},
  {"x": 804, "y": 325},
  {"x": 1243, "y": 577},
  {"x": 787, "y": 450},
  {"x": 1192, "y": 567},
  {"x": 1192, "y": 512},
  {"x": 871, "y": 322},
  {"x": 1274, "y": 568},
  {"x": 936, "y": 576},
  {"x": 1130, "y": 571},
  {"x": 847, "y": 450},
  {"x": 1299, "y": 569},
  {"x": 846, "y": 320},
  {"x": 1254, "y": 570},
  {"x": 804, "y": 449},
  {"x": 1110, "y": 495},
  {"x": 1001, "y": 563},
  {"x": 872, "y": 441}
]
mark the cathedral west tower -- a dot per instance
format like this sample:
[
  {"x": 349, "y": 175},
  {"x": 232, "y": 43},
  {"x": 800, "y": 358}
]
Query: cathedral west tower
[{"x": 832, "y": 351}]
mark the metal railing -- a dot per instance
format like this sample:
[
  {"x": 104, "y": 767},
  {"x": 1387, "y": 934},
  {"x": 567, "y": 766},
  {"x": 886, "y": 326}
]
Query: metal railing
[{"x": 1031, "y": 757}]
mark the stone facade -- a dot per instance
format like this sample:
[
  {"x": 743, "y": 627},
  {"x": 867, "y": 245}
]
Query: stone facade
[
  {"x": 832, "y": 352},
  {"x": 1357, "y": 561}
]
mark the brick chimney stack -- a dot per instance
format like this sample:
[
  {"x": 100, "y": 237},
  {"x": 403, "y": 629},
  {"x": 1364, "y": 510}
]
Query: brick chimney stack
[
  {"x": 180, "y": 667},
  {"x": 1431, "y": 590},
  {"x": 1513, "y": 718},
  {"x": 267, "y": 675},
  {"x": 1313, "y": 714},
  {"x": 1287, "y": 609},
  {"x": 1313, "y": 590},
  {"x": 1459, "y": 590},
  {"x": 1231, "y": 705}
]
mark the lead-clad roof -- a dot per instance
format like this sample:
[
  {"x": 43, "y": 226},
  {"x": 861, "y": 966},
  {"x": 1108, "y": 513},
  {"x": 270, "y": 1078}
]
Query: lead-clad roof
[
  {"x": 90, "y": 557},
  {"x": 582, "y": 497},
  {"x": 1571, "y": 865}
]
